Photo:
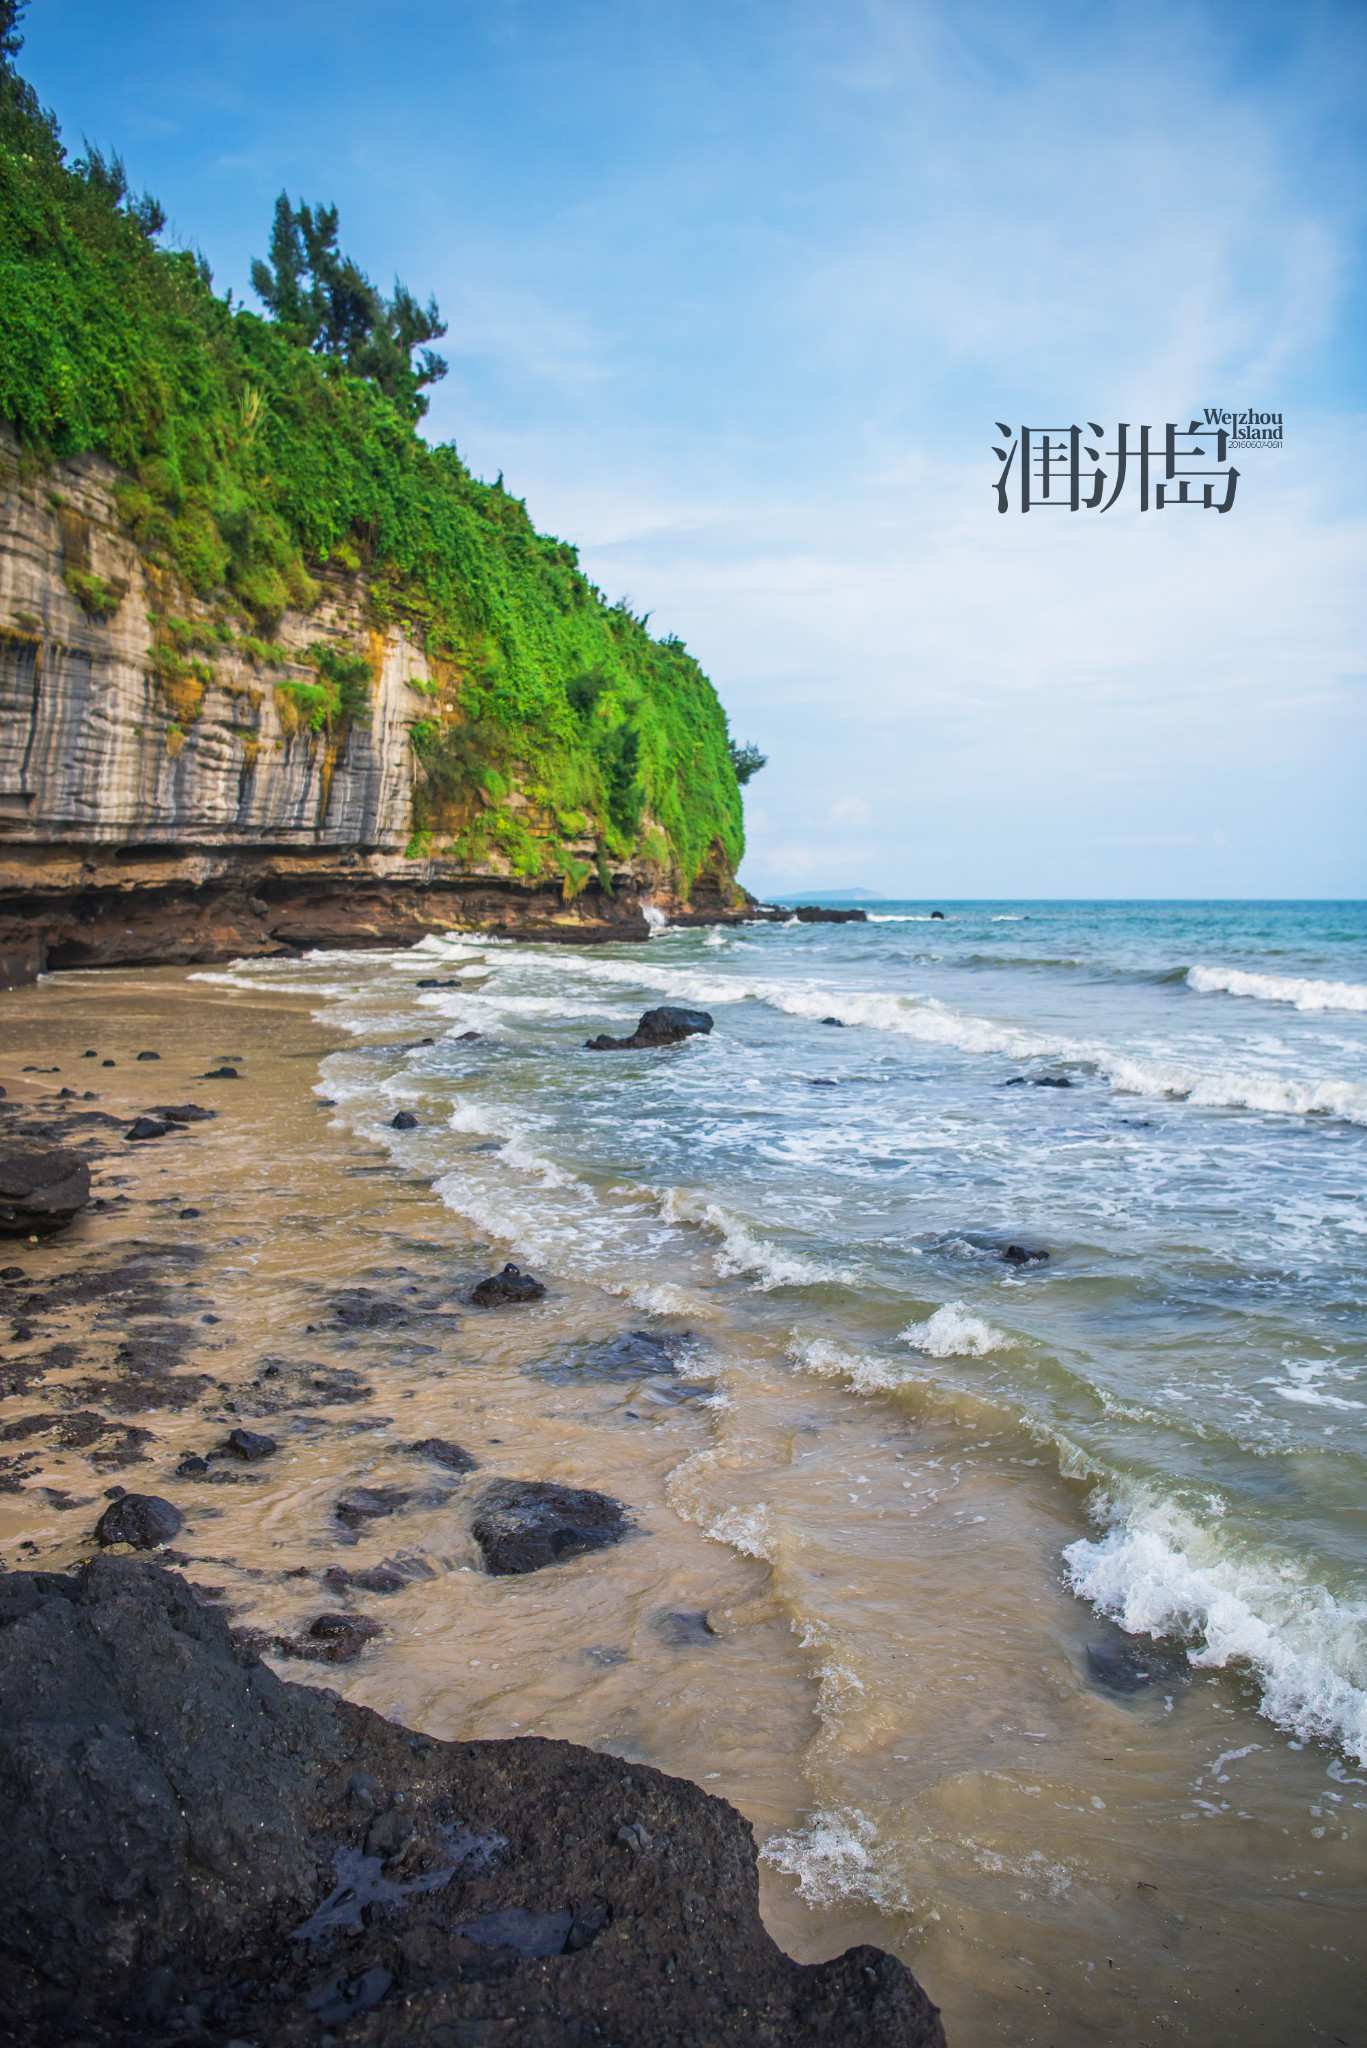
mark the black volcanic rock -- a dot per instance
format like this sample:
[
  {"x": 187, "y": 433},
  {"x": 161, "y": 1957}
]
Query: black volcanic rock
[
  {"x": 41, "y": 1187},
  {"x": 246, "y": 1444},
  {"x": 144, "y": 1127},
  {"x": 142, "y": 1519},
  {"x": 816, "y": 913},
  {"x": 666, "y": 1026},
  {"x": 369, "y": 1504},
  {"x": 512, "y": 1284},
  {"x": 524, "y": 1524},
  {"x": 198, "y": 1851},
  {"x": 453, "y": 1456}
]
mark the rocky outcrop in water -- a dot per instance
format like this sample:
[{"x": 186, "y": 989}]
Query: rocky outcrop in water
[
  {"x": 666, "y": 1026},
  {"x": 199, "y": 1853}
]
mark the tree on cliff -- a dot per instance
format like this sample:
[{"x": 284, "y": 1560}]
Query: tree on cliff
[
  {"x": 326, "y": 302},
  {"x": 21, "y": 117}
]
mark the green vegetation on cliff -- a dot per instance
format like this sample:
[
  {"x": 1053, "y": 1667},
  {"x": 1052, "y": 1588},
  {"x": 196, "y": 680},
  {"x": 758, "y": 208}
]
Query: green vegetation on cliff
[{"x": 255, "y": 457}]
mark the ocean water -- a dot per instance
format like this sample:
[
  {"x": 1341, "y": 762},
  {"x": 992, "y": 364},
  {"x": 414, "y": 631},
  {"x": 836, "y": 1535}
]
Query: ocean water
[{"x": 1020, "y": 1257}]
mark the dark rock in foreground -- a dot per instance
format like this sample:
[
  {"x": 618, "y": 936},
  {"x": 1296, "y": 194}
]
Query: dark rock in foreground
[
  {"x": 523, "y": 1524},
  {"x": 404, "y": 1120},
  {"x": 41, "y": 1187},
  {"x": 667, "y": 1026},
  {"x": 143, "y": 1519},
  {"x": 198, "y": 1852},
  {"x": 512, "y": 1284}
]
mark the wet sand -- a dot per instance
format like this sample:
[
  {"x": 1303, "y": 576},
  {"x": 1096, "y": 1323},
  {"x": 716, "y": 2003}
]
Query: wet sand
[{"x": 260, "y": 1293}]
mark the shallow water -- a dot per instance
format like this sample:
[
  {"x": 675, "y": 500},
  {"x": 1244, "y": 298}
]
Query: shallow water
[{"x": 1036, "y": 1641}]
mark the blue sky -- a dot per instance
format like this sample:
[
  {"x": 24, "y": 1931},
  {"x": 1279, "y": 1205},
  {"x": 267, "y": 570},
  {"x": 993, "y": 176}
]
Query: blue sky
[{"x": 736, "y": 293}]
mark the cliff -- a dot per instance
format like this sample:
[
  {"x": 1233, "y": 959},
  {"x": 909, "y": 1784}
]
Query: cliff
[{"x": 273, "y": 671}]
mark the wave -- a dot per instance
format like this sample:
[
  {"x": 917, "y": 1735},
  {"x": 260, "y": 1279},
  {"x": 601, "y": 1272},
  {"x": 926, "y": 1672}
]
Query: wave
[
  {"x": 741, "y": 1252},
  {"x": 860, "y": 1371},
  {"x": 931, "y": 1022},
  {"x": 1158, "y": 1572},
  {"x": 1302, "y": 991},
  {"x": 953, "y": 1333}
]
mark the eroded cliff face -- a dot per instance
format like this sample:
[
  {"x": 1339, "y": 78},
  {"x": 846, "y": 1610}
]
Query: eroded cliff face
[{"x": 155, "y": 807}]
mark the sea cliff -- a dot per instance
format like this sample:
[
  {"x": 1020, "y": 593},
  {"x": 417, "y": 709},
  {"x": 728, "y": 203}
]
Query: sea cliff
[{"x": 275, "y": 672}]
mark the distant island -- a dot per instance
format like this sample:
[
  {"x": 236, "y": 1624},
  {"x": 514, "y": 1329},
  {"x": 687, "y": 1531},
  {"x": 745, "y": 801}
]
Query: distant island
[{"x": 828, "y": 896}]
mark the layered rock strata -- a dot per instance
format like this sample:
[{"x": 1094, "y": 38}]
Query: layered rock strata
[{"x": 158, "y": 808}]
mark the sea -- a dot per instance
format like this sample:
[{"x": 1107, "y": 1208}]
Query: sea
[{"x": 1006, "y": 1264}]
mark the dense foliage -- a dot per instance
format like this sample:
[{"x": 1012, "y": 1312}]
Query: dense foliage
[{"x": 253, "y": 458}]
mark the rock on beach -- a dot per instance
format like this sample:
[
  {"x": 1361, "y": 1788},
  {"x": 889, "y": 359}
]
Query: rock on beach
[
  {"x": 512, "y": 1284},
  {"x": 143, "y": 1519},
  {"x": 41, "y": 1187},
  {"x": 197, "y": 1849},
  {"x": 524, "y": 1524}
]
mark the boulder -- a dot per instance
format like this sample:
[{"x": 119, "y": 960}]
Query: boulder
[
  {"x": 369, "y": 1504},
  {"x": 198, "y": 1850},
  {"x": 510, "y": 1285},
  {"x": 245, "y": 1443},
  {"x": 524, "y": 1524},
  {"x": 142, "y": 1519},
  {"x": 144, "y": 1127},
  {"x": 41, "y": 1187},
  {"x": 404, "y": 1121},
  {"x": 665, "y": 1026},
  {"x": 817, "y": 913},
  {"x": 453, "y": 1456},
  {"x": 183, "y": 1113}
]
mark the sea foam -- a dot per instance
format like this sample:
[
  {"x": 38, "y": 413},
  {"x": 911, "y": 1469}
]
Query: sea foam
[
  {"x": 931, "y": 1022},
  {"x": 1302, "y": 991},
  {"x": 1157, "y": 1571},
  {"x": 953, "y": 1333}
]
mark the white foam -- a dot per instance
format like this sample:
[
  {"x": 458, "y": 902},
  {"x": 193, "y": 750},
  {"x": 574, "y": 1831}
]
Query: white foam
[
  {"x": 1158, "y": 1571},
  {"x": 834, "y": 1857},
  {"x": 741, "y": 1251},
  {"x": 689, "y": 1491},
  {"x": 861, "y": 1373},
  {"x": 486, "y": 1121},
  {"x": 953, "y": 1333},
  {"x": 1304, "y": 992},
  {"x": 931, "y": 1022}
]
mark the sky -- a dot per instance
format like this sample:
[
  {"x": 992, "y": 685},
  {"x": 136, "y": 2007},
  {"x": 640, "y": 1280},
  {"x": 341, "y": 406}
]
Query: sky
[{"x": 737, "y": 292}]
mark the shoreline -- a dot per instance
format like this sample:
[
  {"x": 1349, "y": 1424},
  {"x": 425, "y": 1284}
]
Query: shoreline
[
  {"x": 142, "y": 1327},
  {"x": 339, "y": 1256}
]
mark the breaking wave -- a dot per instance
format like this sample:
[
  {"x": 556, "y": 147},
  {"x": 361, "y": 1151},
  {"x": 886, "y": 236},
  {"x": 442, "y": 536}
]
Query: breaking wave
[
  {"x": 932, "y": 1022},
  {"x": 953, "y": 1333},
  {"x": 1157, "y": 1571},
  {"x": 1303, "y": 992}
]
